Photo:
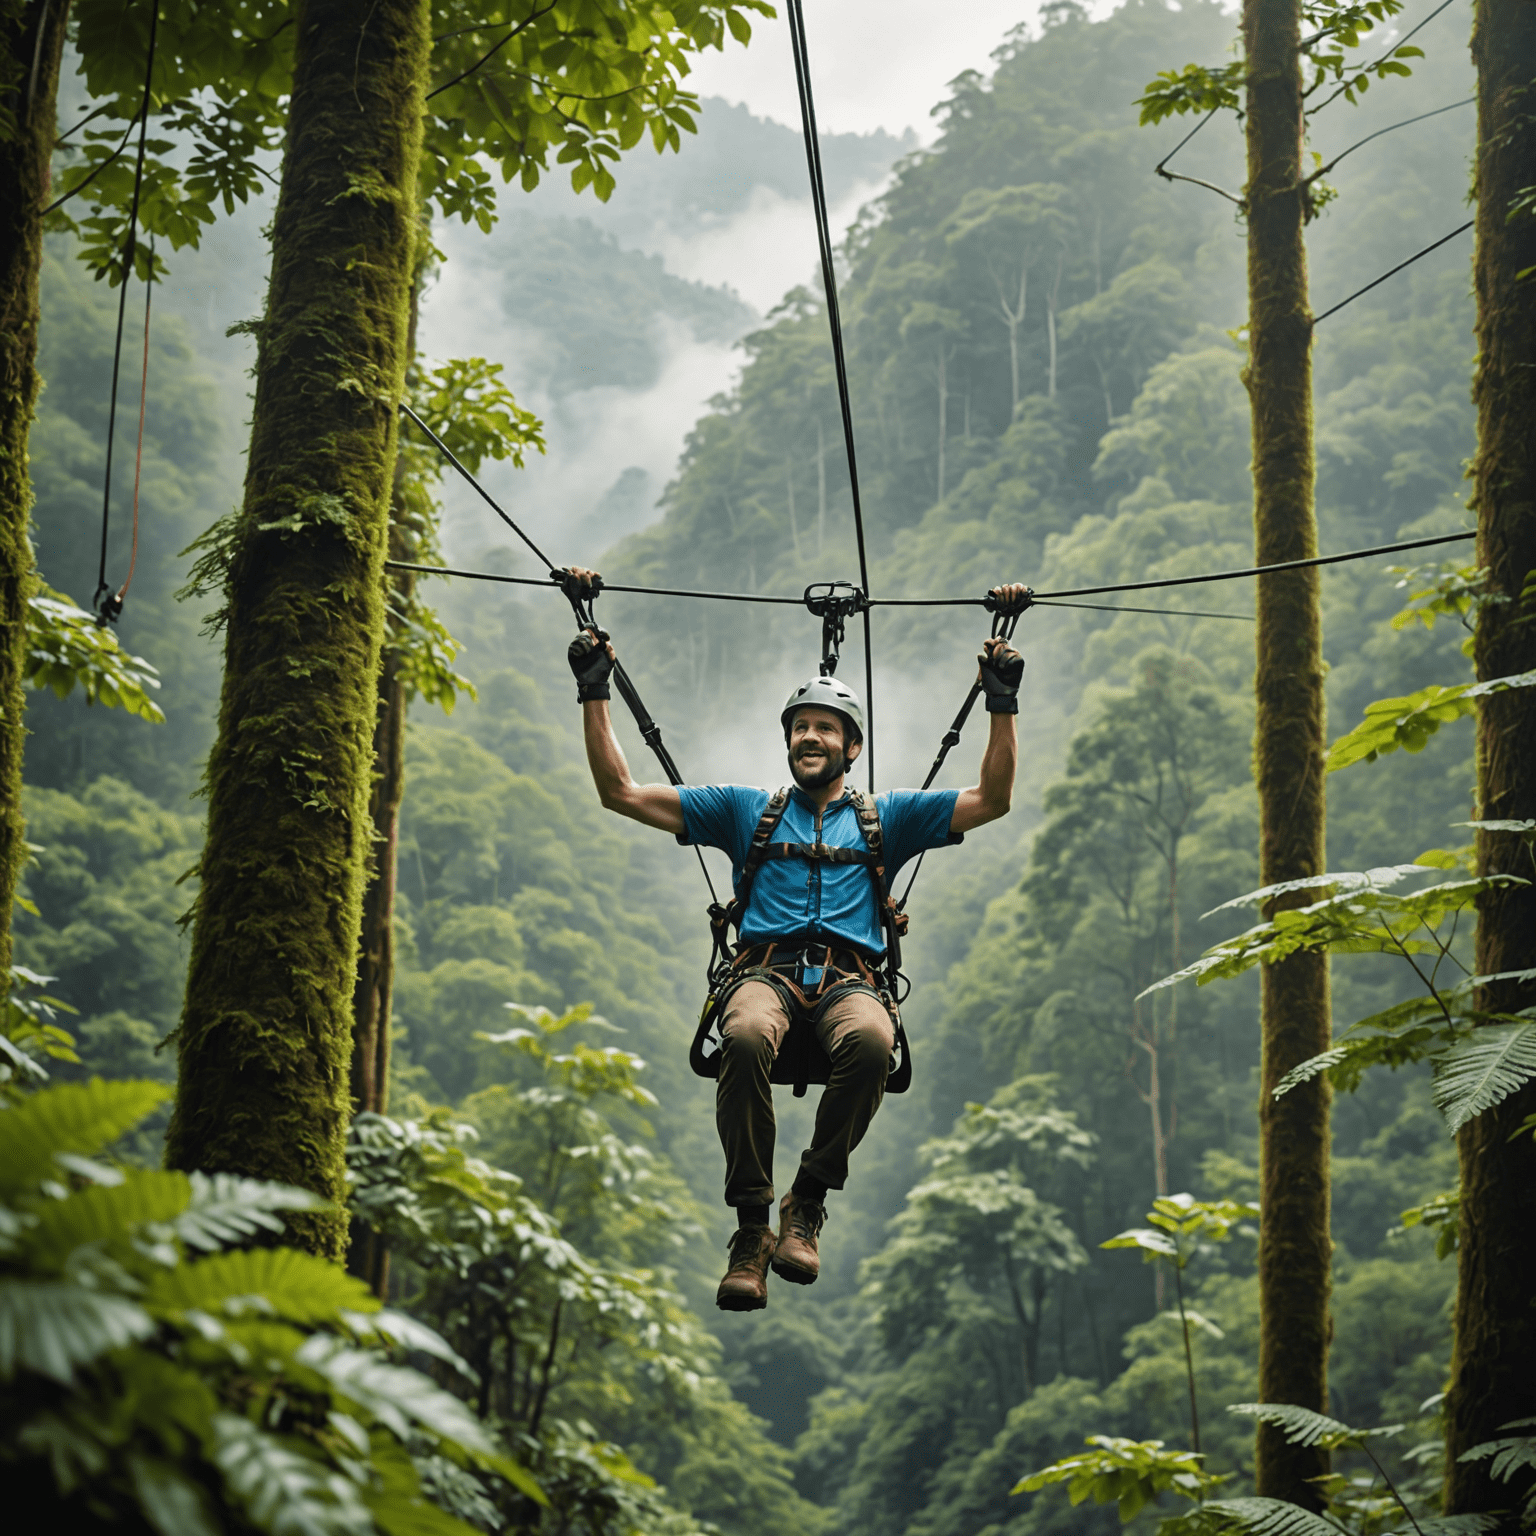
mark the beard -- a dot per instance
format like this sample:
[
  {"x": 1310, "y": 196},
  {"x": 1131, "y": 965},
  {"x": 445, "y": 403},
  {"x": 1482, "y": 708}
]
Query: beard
[{"x": 836, "y": 763}]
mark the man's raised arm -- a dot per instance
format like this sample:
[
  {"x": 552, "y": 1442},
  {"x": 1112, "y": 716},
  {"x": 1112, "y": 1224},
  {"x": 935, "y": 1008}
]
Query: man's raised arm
[
  {"x": 655, "y": 805},
  {"x": 1001, "y": 672}
]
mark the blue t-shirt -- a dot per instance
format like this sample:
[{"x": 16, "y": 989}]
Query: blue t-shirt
[{"x": 808, "y": 898}]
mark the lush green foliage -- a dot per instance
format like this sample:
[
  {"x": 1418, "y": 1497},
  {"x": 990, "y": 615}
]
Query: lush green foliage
[
  {"x": 152, "y": 1366},
  {"x": 574, "y": 1355},
  {"x": 1132, "y": 802},
  {"x": 67, "y": 648},
  {"x": 576, "y": 82}
]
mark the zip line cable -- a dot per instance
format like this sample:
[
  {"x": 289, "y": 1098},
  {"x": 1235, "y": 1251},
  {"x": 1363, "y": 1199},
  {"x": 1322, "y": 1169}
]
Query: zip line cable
[
  {"x": 484, "y": 494},
  {"x": 107, "y": 606},
  {"x": 1040, "y": 599},
  {"x": 835, "y": 323},
  {"x": 1459, "y": 230}
]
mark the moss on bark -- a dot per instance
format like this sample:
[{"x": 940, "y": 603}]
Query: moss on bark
[
  {"x": 1493, "y": 1372},
  {"x": 265, "y": 1042},
  {"x": 31, "y": 42},
  {"x": 1289, "y": 745}
]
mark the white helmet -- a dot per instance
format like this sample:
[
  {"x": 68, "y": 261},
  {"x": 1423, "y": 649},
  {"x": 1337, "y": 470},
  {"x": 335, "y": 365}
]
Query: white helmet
[{"x": 825, "y": 693}]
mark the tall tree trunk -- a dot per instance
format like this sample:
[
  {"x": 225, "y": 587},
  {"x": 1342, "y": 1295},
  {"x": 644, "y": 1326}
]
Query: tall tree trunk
[
  {"x": 265, "y": 1043},
  {"x": 1294, "y": 1245},
  {"x": 1493, "y": 1368},
  {"x": 31, "y": 41}
]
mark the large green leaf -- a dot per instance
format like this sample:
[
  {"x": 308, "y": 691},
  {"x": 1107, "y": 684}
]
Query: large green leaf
[
  {"x": 1409, "y": 722},
  {"x": 281, "y": 1282},
  {"x": 84, "y": 1118},
  {"x": 1483, "y": 1069},
  {"x": 1269, "y": 1517},
  {"x": 52, "y": 1328},
  {"x": 105, "y": 1215}
]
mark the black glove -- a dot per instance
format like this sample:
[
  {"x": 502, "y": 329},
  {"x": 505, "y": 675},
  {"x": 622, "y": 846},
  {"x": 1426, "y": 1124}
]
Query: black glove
[
  {"x": 1001, "y": 673},
  {"x": 590, "y": 661}
]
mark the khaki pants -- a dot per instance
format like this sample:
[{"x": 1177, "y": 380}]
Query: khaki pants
[{"x": 855, "y": 1031}]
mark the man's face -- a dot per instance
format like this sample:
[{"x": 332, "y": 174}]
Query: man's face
[{"x": 818, "y": 753}]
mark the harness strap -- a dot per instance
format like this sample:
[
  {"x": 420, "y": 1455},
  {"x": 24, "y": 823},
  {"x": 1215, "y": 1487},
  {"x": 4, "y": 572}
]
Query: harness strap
[{"x": 822, "y": 852}]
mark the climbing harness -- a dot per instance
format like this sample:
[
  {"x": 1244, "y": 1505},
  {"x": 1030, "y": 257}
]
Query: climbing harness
[{"x": 801, "y": 1058}]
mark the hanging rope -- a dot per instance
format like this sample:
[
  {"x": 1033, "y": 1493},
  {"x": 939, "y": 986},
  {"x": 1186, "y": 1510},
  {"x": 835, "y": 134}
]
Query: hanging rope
[
  {"x": 835, "y": 322},
  {"x": 108, "y": 604},
  {"x": 138, "y": 455}
]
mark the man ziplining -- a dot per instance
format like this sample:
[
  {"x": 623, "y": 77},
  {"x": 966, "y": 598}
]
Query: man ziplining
[{"x": 810, "y": 927}]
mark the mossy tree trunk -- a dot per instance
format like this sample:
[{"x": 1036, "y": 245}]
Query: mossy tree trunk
[
  {"x": 1493, "y": 1371},
  {"x": 31, "y": 42},
  {"x": 265, "y": 1043},
  {"x": 1294, "y": 1245}
]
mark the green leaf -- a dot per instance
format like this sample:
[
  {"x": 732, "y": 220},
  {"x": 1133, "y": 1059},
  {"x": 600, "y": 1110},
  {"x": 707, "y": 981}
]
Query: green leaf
[
  {"x": 1483, "y": 1069},
  {"x": 395, "y": 1395},
  {"x": 1268, "y": 1517},
  {"x": 1301, "y": 1426},
  {"x": 225, "y": 1209},
  {"x": 280, "y": 1282},
  {"x": 1154, "y": 1245},
  {"x": 283, "y": 1489},
  {"x": 52, "y": 1328},
  {"x": 174, "y": 1505},
  {"x": 405, "y": 1332},
  {"x": 1409, "y": 722},
  {"x": 84, "y": 1118},
  {"x": 104, "y": 1216},
  {"x": 1511, "y": 1454},
  {"x": 68, "y": 649}
]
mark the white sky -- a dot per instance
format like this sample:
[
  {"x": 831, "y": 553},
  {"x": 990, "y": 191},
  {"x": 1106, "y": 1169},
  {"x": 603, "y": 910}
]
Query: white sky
[{"x": 874, "y": 63}]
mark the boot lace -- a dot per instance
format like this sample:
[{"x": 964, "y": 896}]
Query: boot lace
[
  {"x": 745, "y": 1248},
  {"x": 805, "y": 1219}
]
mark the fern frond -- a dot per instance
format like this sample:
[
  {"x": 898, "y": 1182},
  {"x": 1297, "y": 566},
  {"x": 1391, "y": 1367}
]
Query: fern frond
[
  {"x": 1510, "y": 1455},
  {"x": 394, "y": 1395},
  {"x": 405, "y": 1332},
  {"x": 53, "y": 1328},
  {"x": 1310, "y": 1068},
  {"x": 174, "y": 1505},
  {"x": 1453, "y": 1525},
  {"x": 278, "y": 1281},
  {"x": 226, "y": 1209},
  {"x": 105, "y": 1215},
  {"x": 1270, "y": 1517},
  {"x": 283, "y": 1490},
  {"x": 1301, "y": 1426},
  {"x": 1483, "y": 1070},
  {"x": 84, "y": 1118}
]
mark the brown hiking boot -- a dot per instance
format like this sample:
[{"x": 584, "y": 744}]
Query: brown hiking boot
[
  {"x": 745, "y": 1286},
  {"x": 795, "y": 1257}
]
